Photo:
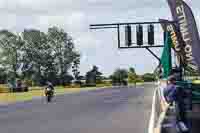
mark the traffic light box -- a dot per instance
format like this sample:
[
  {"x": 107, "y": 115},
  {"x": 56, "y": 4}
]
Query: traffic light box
[
  {"x": 128, "y": 35},
  {"x": 139, "y": 35},
  {"x": 150, "y": 34}
]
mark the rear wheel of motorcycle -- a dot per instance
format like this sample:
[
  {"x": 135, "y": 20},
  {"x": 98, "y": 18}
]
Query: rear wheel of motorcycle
[{"x": 48, "y": 98}]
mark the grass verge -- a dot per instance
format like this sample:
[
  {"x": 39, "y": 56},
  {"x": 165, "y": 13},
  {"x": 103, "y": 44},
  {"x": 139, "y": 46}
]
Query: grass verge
[{"x": 7, "y": 98}]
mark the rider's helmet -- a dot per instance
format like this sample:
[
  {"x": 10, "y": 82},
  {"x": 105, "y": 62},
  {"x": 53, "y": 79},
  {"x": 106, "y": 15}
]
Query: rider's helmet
[{"x": 49, "y": 84}]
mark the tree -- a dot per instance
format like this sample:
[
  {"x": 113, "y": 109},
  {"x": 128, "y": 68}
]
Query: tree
[
  {"x": 3, "y": 76},
  {"x": 132, "y": 70},
  {"x": 119, "y": 76},
  {"x": 132, "y": 77},
  {"x": 11, "y": 45},
  {"x": 63, "y": 50},
  {"x": 75, "y": 68},
  {"x": 148, "y": 77},
  {"x": 98, "y": 75},
  {"x": 38, "y": 59},
  {"x": 49, "y": 56},
  {"x": 94, "y": 77},
  {"x": 38, "y": 56}
]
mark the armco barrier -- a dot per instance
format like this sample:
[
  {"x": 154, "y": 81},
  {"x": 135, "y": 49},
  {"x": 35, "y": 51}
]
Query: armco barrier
[{"x": 159, "y": 109}]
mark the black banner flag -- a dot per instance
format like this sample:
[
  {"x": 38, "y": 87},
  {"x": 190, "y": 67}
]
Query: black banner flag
[{"x": 182, "y": 13}]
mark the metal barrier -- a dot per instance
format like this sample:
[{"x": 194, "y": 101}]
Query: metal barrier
[
  {"x": 158, "y": 112},
  {"x": 160, "y": 109},
  {"x": 154, "y": 116}
]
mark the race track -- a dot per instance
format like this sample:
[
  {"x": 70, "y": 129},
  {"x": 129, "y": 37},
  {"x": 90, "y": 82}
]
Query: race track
[{"x": 109, "y": 110}]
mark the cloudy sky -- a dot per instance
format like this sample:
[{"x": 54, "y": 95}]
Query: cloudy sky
[{"x": 96, "y": 47}]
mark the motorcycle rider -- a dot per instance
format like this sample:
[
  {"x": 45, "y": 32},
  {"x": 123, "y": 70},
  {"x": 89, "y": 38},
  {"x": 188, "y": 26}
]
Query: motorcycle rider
[{"x": 50, "y": 85}]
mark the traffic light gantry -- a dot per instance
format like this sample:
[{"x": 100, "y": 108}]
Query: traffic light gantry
[{"x": 128, "y": 43}]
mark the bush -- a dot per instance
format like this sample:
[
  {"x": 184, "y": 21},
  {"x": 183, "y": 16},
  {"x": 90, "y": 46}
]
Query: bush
[
  {"x": 29, "y": 82},
  {"x": 100, "y": 85},
  {"x": 116, "y": 84},
  {"x": 4, "y": 88},
  {"x": 25, "y": 89},
  {"x": 139, "y": 80},
  {"x": 148, "y": 77},
  {"x": 73, "y": 86},
  {"x": 105, "y": 83},
  {"x": 90, "y": 85}
]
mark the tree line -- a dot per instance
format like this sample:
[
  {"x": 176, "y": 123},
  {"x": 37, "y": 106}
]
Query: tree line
[
  {"x": 130, "y": 76},
  {"x": 36, "y": 57},
  {"x": 119, "y": 77}
]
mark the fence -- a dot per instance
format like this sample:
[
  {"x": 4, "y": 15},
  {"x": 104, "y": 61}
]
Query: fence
[{"x": 159, "y": 110}]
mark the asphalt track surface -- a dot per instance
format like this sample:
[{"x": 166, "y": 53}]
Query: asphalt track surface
[{"x": 113, "y": 110}]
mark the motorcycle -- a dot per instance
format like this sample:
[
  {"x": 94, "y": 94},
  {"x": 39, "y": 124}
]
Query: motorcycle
[{"x": 49, "y": 94}]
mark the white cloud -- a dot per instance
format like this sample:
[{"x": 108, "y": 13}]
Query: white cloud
[
  {"x": 96, "y": 47},
  {"x": 9, "y": 21},
  {"x": 78, "y": 22}
]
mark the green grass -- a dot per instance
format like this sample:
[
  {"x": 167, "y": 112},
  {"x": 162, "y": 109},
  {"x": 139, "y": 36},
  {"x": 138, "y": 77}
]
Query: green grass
[
  {"x": 6, "y": 98},
  {"x": 13, "y": 97},
  {"x": 24, "y": 96},
  {"x": 138, "y": 83},
  {"x": 196, "y": 81}
]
